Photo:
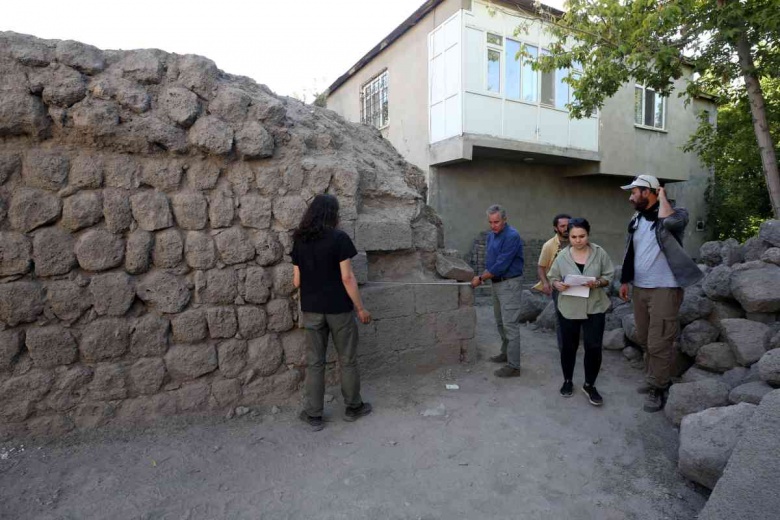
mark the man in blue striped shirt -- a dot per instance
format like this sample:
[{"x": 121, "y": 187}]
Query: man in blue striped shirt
[{"x": 504, "y": 268}]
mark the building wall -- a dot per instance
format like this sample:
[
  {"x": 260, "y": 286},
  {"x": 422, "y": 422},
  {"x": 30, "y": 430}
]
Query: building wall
[{"x": 407, "y": 63}]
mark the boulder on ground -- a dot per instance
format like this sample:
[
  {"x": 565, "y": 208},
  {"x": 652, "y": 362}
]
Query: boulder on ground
[
  {"x": 746, "y": 489},
  {"x": 707, "y": 439},
  {"x": 688, "y": 398},
  {"x": 717, "y": 283},
  {"x": 615, "y": 339},
  {"x": 748, "y": 339},
  {"x": 696, "y": 335},
  {"x": 697, "y": 374},
  {"x": 769, "y": 367},
  {"x": 751, "y": 392},
  {"x": 547, "y": 319},
  {"x": 532, "y": 305},
  {"x": 756, "y": 289},
  {"x": 716, "y": 357}
]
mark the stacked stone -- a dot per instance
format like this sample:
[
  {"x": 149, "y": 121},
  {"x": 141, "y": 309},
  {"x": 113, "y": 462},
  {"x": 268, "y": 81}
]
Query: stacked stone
[{"x": 146, "y": 208}]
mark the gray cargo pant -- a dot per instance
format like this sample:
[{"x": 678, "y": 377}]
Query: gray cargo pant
[
  {"x": 506, "y": 308},
  {"x": 343, "y": 328}
]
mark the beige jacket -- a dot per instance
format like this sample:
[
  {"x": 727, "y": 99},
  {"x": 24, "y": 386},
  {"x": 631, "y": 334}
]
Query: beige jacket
[{"x": 598, "y": 265}]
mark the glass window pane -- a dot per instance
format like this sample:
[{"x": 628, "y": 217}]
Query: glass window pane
[
  {"x": 512, "y": 88},
  {"x": 649, "y": 107},
  {"x": 494, "y": 39},
  {"x": 530, "y": 76},
  {"x": 494, "y": 71},
  {"x": 638, "y": 95},
  {"x": 561, "y": 88},
  {"x": 659, "y": 111}
]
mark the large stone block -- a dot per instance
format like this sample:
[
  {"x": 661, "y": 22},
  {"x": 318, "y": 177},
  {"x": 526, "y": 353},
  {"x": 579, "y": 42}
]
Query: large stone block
[
  {"x": 222, "y": 322},
  {"x": 275, "y": 389},
  {"x": 11, "y": 342},
  {"x": 190, "y": 210},
  {"x": 168, "y": 248},
  {"x": 252, "y": 321},
  {"x": 221, "y": 209},
  {"x": 382, "y": 234},
  {"x": 267, "y": 246},
  {"x": 180, "y": 105},
  {"x": 615, "y": 339},
  {"x": 294, "y": 345},
  {"x": 151, "y": 210},
  {"x": 51, "y": 346},
  {"x": 456, "y": 325},
  {"x": 149, "y": 336},
  {"x": 688, "y": 398},
  {"x": 231, "y": 104},
  {"x": 279, "y": 315},
  {"x": 86, "y": 171},
  {"x": 122, "y": 171},
  {"x": 264, "y": 354},
  {"x": 95, "y": 118},
  {"x": 53, "y": 252},
  {"x": 289, "y": 209},
  {"x": 116, "y": 210},
  {"x": 82, "y": 210},
  {"x": 744, "y": 490},
  {"x": 112, "y": 293},
  {"x": 435, "y": 298},
  {"x": 231, "y": 355},
  {"x": 144, "y": 66},
  {"x": 211, "y": 135},
  {"x": 127, "y": 93},
  {"x": 164, "y": 291},
  {"x": 547, "y": 320},
  {"x": 98, "y": 250},
  {"x": 106, "y": 338},
  {"x": 769, "y": 368},
  {"x": 770, "y": 232},
  {"x": 282, "y": 279},
  {"x": 717, "y": 357},
  {"x": 756, "y": 289},
  {"x": 63, "y": 86},
  {"x": 388, "y": 301},
  {"x": 748, "y": 339},
  {"x": 226, "y": 391},
  {"x": 189, "y": 326},
  {"x": 203, "y": 174},
  {"x": 80, "y": 56},
  {"x": 69, "y": 389},
  {"x": 186, "y": 362},
  {"x": 147, "y": 375},
  {"x": 257, "y": 285},
  {"x": 15, "y": 253},
  {"x": 707, "y": 439},
  {"x": 253, "y": 141},
  {"x": 396, "y": 333},
  {"x": 234, "y": 246},
  {"x": 20, "y": 302},
  {"x": 45, "y": 169},
  {"x": 696, "y": 335},
  {"x": 109, "y": 382},
  {"x": 200, "y": 252},
  {"x": 67, "y": 300},
  {"x": 218, "y": 286},
  {"x": 751, "y": 392},
  {"x": 695, "y": 306},
  {"x": 10, "y": 165},
  {"x": 22, "y": 113},
  {"x": 139, "y": 251},
  {"x": 709, "y": 253},
  {"x": 88, "y": 416},
  {"x": 724, "y": 311},
  {"x": 162, "y": 175},
  {"x": 453, "y": 268},
  {"x": 32, "y": 208},
  {"x": 255, "y": 211}
]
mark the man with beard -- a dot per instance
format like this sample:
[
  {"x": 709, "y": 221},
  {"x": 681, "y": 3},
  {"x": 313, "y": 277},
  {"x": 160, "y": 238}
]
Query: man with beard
[
  {"x": 550, "y": 250},
  {"x": 658, "y": 267}
]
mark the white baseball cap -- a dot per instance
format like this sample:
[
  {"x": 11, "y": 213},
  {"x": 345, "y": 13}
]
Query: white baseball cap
[{"x": 643, "y": 181}]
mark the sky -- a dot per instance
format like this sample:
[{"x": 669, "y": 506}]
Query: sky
[{"x": 295, "y": 47}]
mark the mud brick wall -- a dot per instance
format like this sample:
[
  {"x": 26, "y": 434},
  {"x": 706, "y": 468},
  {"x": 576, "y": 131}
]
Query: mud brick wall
[{"x": 147, "y": 201}]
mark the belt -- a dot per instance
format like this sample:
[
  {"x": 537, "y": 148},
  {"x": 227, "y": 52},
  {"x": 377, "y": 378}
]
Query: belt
[{"x": 497, "y": 279}]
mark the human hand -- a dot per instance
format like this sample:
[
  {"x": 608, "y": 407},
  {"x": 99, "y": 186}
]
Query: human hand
[
  {"x": 364, "y": 316},
  {"x": 624, "y": 292},
  {"x": 661, "y": 192},
  {"x": 547, "y": 288},
  {"x": 476, "y": 281},
  {"x": 594, "y": 284},
  {"x": 560, "y": 286}
]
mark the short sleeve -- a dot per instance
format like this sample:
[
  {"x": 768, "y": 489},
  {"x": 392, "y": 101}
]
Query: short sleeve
[
  {"x": 345, "y": 247},
  {"x": 547, "y": 255}
]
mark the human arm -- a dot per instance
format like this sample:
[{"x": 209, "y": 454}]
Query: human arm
[
  {"x": 296, "y": 277},
  {"x": 351, "y": 286},
  {"x": 556, "y": 277},
  {"x": 607, "y": 272},
  {"x": 511, "y": 248},
  {"x": 541, "y": 272},
  {"x": 624, "y": 292}
]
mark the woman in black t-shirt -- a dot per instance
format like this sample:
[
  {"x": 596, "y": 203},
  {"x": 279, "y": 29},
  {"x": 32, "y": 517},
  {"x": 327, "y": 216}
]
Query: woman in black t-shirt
[{"x": 329, "y": 295}]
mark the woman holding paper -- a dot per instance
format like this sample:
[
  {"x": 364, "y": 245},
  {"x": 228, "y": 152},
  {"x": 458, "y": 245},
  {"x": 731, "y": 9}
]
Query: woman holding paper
[{"x": 580, "y": 273}]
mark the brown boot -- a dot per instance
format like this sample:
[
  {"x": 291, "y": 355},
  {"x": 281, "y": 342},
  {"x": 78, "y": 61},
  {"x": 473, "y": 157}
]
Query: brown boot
[
  {"x": 507, "y": 371},
  {"x": 500, "y": 358}
]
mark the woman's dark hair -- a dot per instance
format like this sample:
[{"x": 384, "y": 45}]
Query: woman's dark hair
[
  {"x": 322, "y": 214},
  {"x": 579, "y": 223}
]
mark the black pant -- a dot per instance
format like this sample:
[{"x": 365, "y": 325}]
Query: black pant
[{"x": 593, "y": 334}]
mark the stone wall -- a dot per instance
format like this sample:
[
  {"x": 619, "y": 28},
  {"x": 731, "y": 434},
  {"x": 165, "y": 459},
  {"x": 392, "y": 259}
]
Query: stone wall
[{"x": 146, "y": 207}]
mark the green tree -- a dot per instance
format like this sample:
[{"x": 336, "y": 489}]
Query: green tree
[{"x": 729, "y": 44}]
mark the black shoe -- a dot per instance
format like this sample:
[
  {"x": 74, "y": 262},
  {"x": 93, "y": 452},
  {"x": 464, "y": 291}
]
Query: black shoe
[
  {"x": 507, "y": 371},
  {"x": 353, "y": 414},
  {"x": 500, "y": 358},
  {"x": 654, "y": 400},
  {"x": 593, "y": 395},
  {"x": 315, "y": 423},
  {"x": 567, "y": 389}
]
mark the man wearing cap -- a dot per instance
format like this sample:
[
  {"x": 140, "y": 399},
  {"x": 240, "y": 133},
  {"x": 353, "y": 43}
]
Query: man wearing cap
[
  {"x": 504, "y": 268},
  {"x": 658, "y": 267}
]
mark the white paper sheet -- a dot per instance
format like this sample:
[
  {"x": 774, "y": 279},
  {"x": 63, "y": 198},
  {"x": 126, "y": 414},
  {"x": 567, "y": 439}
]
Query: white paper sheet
[{"x": 577, "y": 287}]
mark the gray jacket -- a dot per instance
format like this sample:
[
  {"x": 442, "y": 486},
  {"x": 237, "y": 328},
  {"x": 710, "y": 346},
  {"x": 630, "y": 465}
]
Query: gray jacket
[{"x": 669, "y": 233}]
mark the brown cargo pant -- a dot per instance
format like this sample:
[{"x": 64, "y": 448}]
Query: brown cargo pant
[{"x": 657, "y": 324}]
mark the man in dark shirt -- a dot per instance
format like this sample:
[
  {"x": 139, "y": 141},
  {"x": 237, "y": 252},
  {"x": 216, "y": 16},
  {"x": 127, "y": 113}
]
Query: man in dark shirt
[
  {"x": 504, "y": 267},
  {"x": 329, "y": 293}
]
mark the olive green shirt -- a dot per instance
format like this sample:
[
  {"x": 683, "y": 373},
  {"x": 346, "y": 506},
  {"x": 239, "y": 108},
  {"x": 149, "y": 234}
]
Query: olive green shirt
[{"x": 598, "y": 266}]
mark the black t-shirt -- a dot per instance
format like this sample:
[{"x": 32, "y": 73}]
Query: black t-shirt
[{"x": 322, "y": 290}]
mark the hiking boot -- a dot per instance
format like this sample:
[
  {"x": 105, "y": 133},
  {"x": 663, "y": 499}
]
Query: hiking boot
[
  {"x": 315, "y": 423},
  {"x": 643, "y": 389},
  {"x": 353, "y": 414},
  {"x": 567, "y": 389},
  {"x": 507, "y": 371},
  {"x": 500, "y": 358},
  {"x": 593, "y": 395},
  {"x": 654, "y": 400}
]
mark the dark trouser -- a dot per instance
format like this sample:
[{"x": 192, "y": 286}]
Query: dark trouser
[
  {"x": 657, "y": 325},
  {"x": 557, "y": 329},
  {"x": 593, "y": 335},
  {"x": 343, "y": 328}
]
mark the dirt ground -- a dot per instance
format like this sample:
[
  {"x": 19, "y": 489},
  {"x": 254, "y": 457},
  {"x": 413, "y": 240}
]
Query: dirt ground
[{"x": 491, "y": 449}]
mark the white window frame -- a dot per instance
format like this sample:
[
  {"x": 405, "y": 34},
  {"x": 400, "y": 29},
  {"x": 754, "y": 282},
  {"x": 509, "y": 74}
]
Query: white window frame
[
  {"x": 664, "y": 104},
  {"x": 521, "y": 64},
  {"x": 501, "y": 72},
  {"x": 366, "y": 96}
]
